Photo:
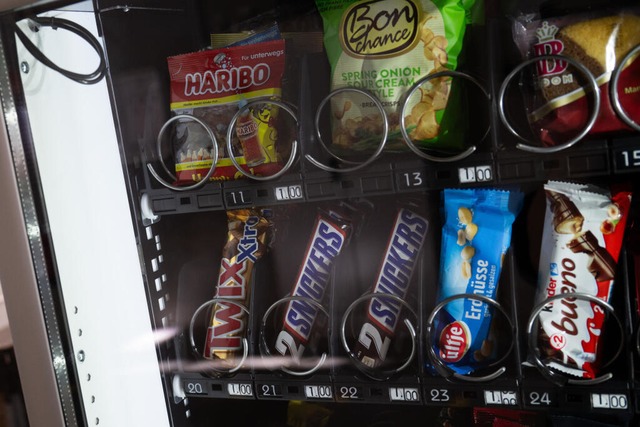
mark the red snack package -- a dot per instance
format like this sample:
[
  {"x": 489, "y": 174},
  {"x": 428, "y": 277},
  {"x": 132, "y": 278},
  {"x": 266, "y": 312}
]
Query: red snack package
[
  {"x": 581, "y": 242},
  {"x": 212, "y": 85},
  {"x": 560, "y": 108}
]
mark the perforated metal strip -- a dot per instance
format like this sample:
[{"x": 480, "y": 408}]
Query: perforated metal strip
[{"x": 58, "y": 361}]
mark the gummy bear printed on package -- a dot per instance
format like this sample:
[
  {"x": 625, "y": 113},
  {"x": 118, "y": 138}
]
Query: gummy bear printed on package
[
  {"x": 384, "y": 48},
  {"x": 213, "y": 85},
  {"x": 560, "y": 108}
]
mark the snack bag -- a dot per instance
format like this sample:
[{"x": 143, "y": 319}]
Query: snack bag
[
  {"x": 384, "y": 47},
  {"x": 475, "y": 237},
  {"x": 247, "y": 242},
  {"x": 581, "y": 242},
  {"x": 599, "y": 41},
  {"x": 212, "y": 85}
]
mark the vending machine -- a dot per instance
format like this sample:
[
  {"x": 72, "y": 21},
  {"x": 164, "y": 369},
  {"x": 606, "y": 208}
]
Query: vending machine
[{"x": 322, "y": 212}]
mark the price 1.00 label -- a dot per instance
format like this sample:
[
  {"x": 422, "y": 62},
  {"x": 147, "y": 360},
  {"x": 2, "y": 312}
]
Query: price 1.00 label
[
  {"x": 492, "y": 397},
  {"x": 291, "y": 192},
  {"x": 473, "y": 174},
  {"x": 318, "y": 392},
  {"x": 238, "y": 389},
  {"x": 404, "y": 394},
  {"x": 609, "y": 401}
]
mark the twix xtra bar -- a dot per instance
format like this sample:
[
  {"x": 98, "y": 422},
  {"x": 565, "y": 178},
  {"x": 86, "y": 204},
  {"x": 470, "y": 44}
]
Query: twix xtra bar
[
  {"x": 246, "y": 244},
  {"x": 581, "y": 242},
  {"x": 394, "y": 277}
]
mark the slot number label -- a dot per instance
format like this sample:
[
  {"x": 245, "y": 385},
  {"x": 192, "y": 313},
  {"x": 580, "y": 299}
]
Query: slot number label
[
  {"x": 413, "y": 179},
  {"x": 404, "y": 394},
  {"x": 507, "y": 398},
  {"x": 439, "y": 395},
  {"x": 238, "y": 198},
  {"x": 349, "y": 393},
  {"x": 535, "y": 398},
  {"x": 628, "y": 159},
  {"x": 609, "y": 401},
  {"x": 292, "y": 192},
  {"x": 269, "y": 390},
  {"x": 318, "y": 392},
  {"x": 475, "y": 174},
  {"x": 192, "y": 387},
  {"x": 242, "y": 390}
]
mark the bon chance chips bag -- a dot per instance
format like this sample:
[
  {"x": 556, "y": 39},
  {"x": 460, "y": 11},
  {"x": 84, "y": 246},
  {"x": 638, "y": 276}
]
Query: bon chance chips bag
[{"x": 385, "y": 47}]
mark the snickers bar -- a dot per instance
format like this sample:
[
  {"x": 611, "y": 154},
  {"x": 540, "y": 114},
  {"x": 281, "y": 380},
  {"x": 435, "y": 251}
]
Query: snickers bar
[
  {"x": 394, "y": 277},
  {"x": 327, "y": 240}
]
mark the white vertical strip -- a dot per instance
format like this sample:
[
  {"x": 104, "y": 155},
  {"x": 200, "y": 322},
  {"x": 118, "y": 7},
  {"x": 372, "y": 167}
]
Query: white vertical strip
[{"x": 93, "y": 236}]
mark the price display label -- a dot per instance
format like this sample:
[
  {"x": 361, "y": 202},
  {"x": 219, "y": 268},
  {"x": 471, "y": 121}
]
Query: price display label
[
  {"x": 344, "y": 392},
  {"x": 240, "y": 389},
  {"x": 269, "y": 390},
  {"x": 291, "y": 192},
  {"x": 438, "y": 395},
  {"x": 609, "y": 401},
  {"x": 627, "y": 159},
  {"x": 493, "y": 397},
  {"x": 195, "y": 387},
  {"x": 318, "y": 392},
  {"x": 404, "y": 394},
  {"x": 540, "y": 399},
  {"x": 473, "y": 174},
  {"x": 238, "y": 198}
]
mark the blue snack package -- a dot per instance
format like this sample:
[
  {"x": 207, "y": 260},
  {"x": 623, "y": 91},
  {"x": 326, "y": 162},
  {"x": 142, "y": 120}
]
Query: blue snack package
[{"x": 476, "y": 236}]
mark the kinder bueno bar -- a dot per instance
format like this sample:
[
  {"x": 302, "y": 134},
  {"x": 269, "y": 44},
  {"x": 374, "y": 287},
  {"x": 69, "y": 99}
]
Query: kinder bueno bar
[
  {"x": 476, "y": 236},
  {"x": 212, "y": 85},
  {"x": 401, "y": 256},
  {"x": 246, "y": 244},
  {"x": 581, "y": 258},
  {"x": 329, "y": 236}
]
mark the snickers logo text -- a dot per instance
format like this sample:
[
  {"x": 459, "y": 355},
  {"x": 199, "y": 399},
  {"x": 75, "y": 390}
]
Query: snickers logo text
[
  {"x": 325, "y": 245},
  {"x": 407, "y": 238}
]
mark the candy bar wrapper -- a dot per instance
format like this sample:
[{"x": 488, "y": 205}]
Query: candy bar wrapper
[
  {"x": 407, "y": 237},
  {"x": 476, "y": 236},
  {"x": 330, "y": 234},
  {"x": 212, "y": 85},
  {"x": 247, "y": 240},
  {"x": 598, "y": 40},
  {"x": 581, "y": 242}
]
